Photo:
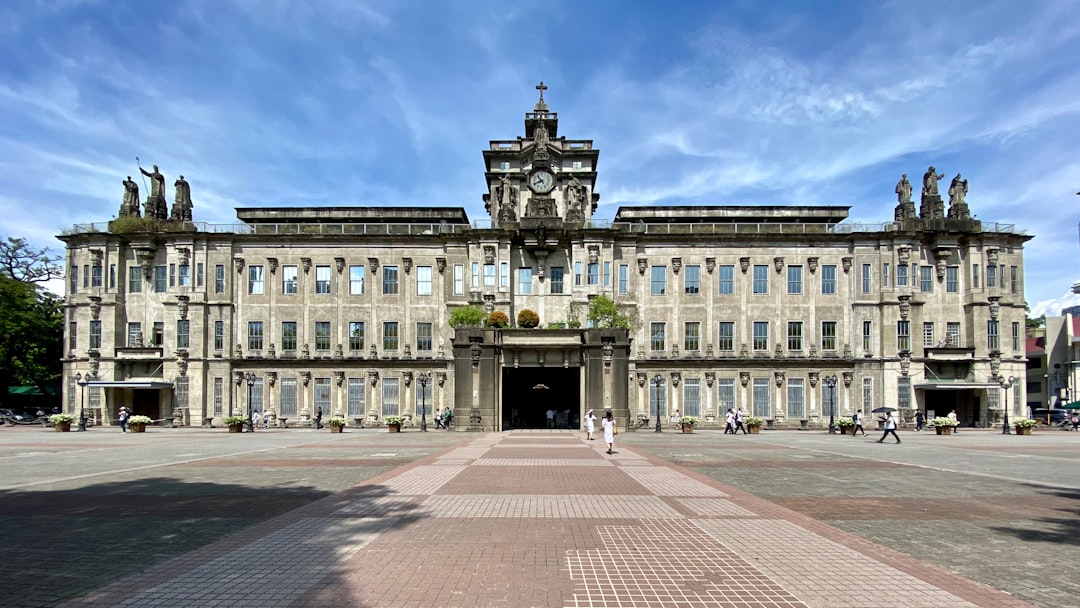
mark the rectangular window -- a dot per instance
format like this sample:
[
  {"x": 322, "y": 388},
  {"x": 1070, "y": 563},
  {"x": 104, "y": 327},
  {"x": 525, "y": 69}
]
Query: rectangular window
[
  {"x": 794, "y": 280},
  {"x": 255, "y": 280},
  {"x": 657, "y": 398},
  {"x": 952, "y": 279},
  {"x": 423, "y": 338},
  {"x": 390, "y": 335},
  {"x": 1001, "y": 275},
  {"x": 158, "y": 339},
  {"x": 288, "y": 397},
  {"x": 219, "y": 335},
  {"x": 200, "y": 274},
  {"x": 903, "y": 335},
  {"x": 356, "y": 397},
  {"x": 322, "y": 279},
  {"x": 866, "y": 283},
  {"x": 1015, "y": 336},
  {"x": 1014, "y": 280},
  {"x": 725, "y": 392},
  {"x": 928, "y": 334},
  {"x": 219, "y": 396},
  {"x": 991, "y": 276},
  {"x": 134, "y": 334},
  {"x": 356, "y": 280},
  {"x": 828, "y": 279},
  {"x": 794, "y": 336},
  {"x": 901, "y": 275},
  {"x": 73, "y": 276},
  {"x": 423, "y": 397},
  {"x": 691, "y": 397},
  {"x": 692, "y": 280},
  {"x": 796, "y": 399},
  {"x": 577, "y": 274},
  {"x": 459, "y": 279},
  {"x": 322, "y": 335},
  {"x": 183, "y": 333},
  {"x": 95, "y": 334},
  {"x": 112, "y": 276},
  {"x": 257, "y": 395},
  {"x": 657, "y": 336},
  {"x": 185, "y": 275},
  {"x": 160, "y": 278},
  {"x": 885, "y": 275},
  {"x": 692, "y": 336},
  {"x": 504, "y": 165},
  {"x": 476, "y": 275},
  {"x": 761, "y": 279},
  {"x": 390, "y": 397},
  {"x": 489, "y": 275},
  {"x": 525, "y": 281},
  {"x": 504, "y": 275},
  {"x": 390, "y": 281},
  {"x": 868, "y": 336},
  {"x": 659, "y": 280},
  {"x": 172, "y": 275},
  {"x": 557, "y": 279},
  {"x": 593, "y": 274},
  {"x": 73, "y": 335},
  {"x": 86, "y": 275},
  {"x": 607, "y": 274},
  {"x": 761, "y": 335},
  {"x": 975, "y": 276},
  {"x": 134, "y": 284},
  {"x": 255, "y": 336},
  {"x": 321, "y": 394},
  {"x": 219, "y": 278},
  {"x": 423, "y": 280},
  {"x": 624, "y": 279},
  {"x": 828, "y": 336},
  {"x": 95, "y": 276},
  {"x": 761, "y": 398},
  {"x": 726, "y": 338},
  {"x": 726, "y": 280},
  {"x": 952, "y": 333},
  {"x": 288, "y": 336},
  {"x": 867, "y": 394},
  {"x": 356, "y": 336},
  {"x": 926, "y": 279},
  {"x": 992, "y": 341},
  {"x": 290, "y": 284}
]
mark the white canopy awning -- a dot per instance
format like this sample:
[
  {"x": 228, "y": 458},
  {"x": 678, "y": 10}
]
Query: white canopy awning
[{"x": 143, "y": 384}]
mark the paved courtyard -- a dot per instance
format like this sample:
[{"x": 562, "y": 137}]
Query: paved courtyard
[{"x": 193, "y": 517}]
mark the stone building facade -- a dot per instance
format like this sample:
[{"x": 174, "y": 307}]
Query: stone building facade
[{"x": 789, "y": 312}]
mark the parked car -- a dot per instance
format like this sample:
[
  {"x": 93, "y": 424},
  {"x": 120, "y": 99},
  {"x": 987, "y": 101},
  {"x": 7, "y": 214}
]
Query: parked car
[
  {"x": 1057, "y": 415},
  {"x": 5, "y": 413}
]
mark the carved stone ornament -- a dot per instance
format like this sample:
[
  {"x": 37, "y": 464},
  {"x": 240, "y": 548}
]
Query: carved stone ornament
[
  {"x": 238, "y": 377},
  {"x": 373, "y": 377},
  {"x": 238, "y": 352},
  {"x": 305, "y": 377},
  {"x": 407, "y": 352},
  {"x": 641, "y": 351},
  {"x": 779, "y": 350},
  {"x": 489, "y": 254},
  {"x": 373, "y": 264},
  {"x": 440, "y": 377},
  {"x": 995, "y": 307},
  {"x": 744, "y": 264},
  {"x": 474, "y": 351},
  {"x": 272, "y": 263},
  {"x": 905, "y": 362},
  {"x": 339, "y": 352},
  {"x": 339, "y": 263},
  {"x": 642, "y": 378},
  {"x": 95, "y": 307},
  {"x": 710, "y": 265},
  {"x": 339, "y": 378},
  {"x": 642, "y": 265},
  {"x": 812, "y": 264},
  {"x": 594, "y": 254},
  {"x": 515, "y": 358},
  {"x": 941, "y": 264},
  {"x": 779, "y": 377},
  {"x": 305, "y": 351},
  {"x": 846, "y": 262},
  {"x": 709, "y": 350},
  {"x": 710, "y": 379},
  {"x": 676, "y": 265},
  {"x": 406, "y": 263},
  {"x": 676, "y": 378},
  {"x": 239, "y": 263},
  {"x": 489, "y": 303},
  {"x": 442, "y": 351},
  {"x": 778, "y": 263},
  {"x": 995, "y": 363},
  {"x": 905, "y": 306},
  {"x": 440, "y": 264},
  {"x": 744, "y": 350},
  {"x": 374, "y": 352},
  {"x": 95, "y": 257},
  {"x": 814, "y": 376},
  {"x": 94, "y": 366},
  {"x": 608, "y": 354},
  {"x": 407, "y": 376},
  {"x": 744, "y": 378},
  {"x": 813, "y": 350},
  {"x": 992, "y": 256},
  {"x": 146, "y": 260},
  {"x": 848, "y": 378},
  {"x": 182, "y": 366},
  {"x": 904, "y": 254},
  {"x": 271, "y": 351},
  {"x": 182, "y": 306},
  {"x": 271, "y": 378},
  {"x": 847, "y": 351},
  {"x": 674, "y": 351},
  {"x": 305, "y": 263},
  {"x": 540, "y": 357}
]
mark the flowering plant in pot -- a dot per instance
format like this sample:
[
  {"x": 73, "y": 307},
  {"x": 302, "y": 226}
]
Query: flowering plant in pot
[
  {"x": 62, "y": 422},
  {"x": 138, "y": 423},
  {"x": 336, "y": 424},
  {"x": 235, "y": 423}
]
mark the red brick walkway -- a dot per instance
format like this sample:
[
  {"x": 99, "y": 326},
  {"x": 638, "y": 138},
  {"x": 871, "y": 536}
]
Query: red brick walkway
[{"x": 545, "y": 519}]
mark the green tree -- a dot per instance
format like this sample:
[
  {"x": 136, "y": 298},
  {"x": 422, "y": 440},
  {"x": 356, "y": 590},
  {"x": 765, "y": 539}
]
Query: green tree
[
  {"x": 604, "y": 313},
  {"x": 467, "y": 316},
  {"x": 31, "y": 326}
]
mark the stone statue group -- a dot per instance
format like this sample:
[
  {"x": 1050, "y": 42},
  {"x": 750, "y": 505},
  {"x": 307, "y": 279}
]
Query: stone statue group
[
  {"x": 155, "y": 206},
  {"x": 931, "y": 204}
]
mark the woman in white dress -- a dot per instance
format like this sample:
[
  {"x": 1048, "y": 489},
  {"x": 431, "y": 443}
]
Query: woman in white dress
[
  {"x": 590, "y": 425},
  {"x": 609, "y": 430}
]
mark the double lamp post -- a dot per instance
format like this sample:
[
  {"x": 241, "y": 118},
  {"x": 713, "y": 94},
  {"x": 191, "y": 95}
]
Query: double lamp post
[
  {"x": 1006, "y": 383},
  {"x": 830, "y": 385}
]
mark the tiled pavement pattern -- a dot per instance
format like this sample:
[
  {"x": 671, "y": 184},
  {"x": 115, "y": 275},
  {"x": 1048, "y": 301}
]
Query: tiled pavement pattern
[{"x": 638, "y": 532}]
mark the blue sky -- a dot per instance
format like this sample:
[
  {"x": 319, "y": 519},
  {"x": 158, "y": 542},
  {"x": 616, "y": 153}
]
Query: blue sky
[{"x": 342, "y": 102}]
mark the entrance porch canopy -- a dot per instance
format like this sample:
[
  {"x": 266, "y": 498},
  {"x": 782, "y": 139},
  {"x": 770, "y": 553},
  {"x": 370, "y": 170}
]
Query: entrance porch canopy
[
  {"x": 143, "y": 384},
  {"x": 955, "y": 386}
]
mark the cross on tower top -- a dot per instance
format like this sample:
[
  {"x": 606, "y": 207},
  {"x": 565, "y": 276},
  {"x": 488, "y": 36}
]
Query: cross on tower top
[{"x": 541, "y": 87}]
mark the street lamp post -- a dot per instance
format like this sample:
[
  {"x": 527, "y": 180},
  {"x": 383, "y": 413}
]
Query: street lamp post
[
  {"x": 1006, "y": 384},
  {"x": 422, "y": 379},
  {"x": 830, "y": 385},
  {"x": 658, "y": 380},
  {"x": 250, "y": 377},
  {"x": 82, "y": 382}
]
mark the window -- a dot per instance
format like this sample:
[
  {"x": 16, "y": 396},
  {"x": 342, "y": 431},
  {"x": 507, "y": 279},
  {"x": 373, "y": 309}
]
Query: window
[
  {"x": 183, "y": 333},
  {"x": 288, "y": 335},
  {"x": 134, "y": 334},
  {"x": 219, "y": 396},
  {"x": 185, "y": 275},
  {"x": 459, "y": 279},
  {"x": 796, "y": 399},
  {"x": 761, "y": 398},
  {"x": 657, "y": 336},
  {"x": 1015, "y": 335},
  {"x": 476, "y": 275},
  {"x": 659, "y": 280},
  {"x": 134, "y": 284},
  {"x": 423, "y": 338},
  {"x": 95, "y": 334},
  {"x": 901, "y": 275},
  {"x": 390, "y": 335},
  {"x": 761, "y": 279},
  {"x": 322, "y": 335},
  {"x": 390, "y": 397},
  {"x": 952, "y": 279},
  {"x": 525, "y": 281},
  {"x": 73, "y": 335},
  {"x": 290, "y": 285},
  {"x": 95, "y": 276},
  {"x": 607, "y": 274},
  {"x": 726, "y": 393},
  {"x": 577, "y": 274},
  {"x": 322, "y": 279},
  {"x": 219, "y": 335},
  {"x": 885, "y": 275},
  {"x": 257, "y": 395},
  {"x": 489, "y": 275},
  {"x": 1001, "y": 275},
  {"x": 576, "y": 165},
  {"x": 200, "y": 274},
  {"x": 624, "y": 279},
  {"x": 828, "y": 336},
  {"x": 321, "y": 394},
  {"x": 903, "y": 335},
  {"x": 657, "y": 397},
  {"x": 692, "y": 280},
  {"x": 159, "y": 279},
  {"x": 868, "y": 336},
  {"x": 866, "y": 282},
  {"x": 828, "y": 279},
  {"x": 86, "y": 275},
  {"x": 794, "y": 336},
  {"x": 356, "y": 280},
  {"x": 158, "y": 339},
  {"x": 761, "y": 335},
  {"x": 255, "y": 336},
  {"x": 557, "y": 279},
  {"x": 692, "y": 336},
  {"x": 992, "y": 341},
  {"x": 794, "y": 280},
  {"x": 390, "y": 281},
  {"x": 975, "y": 276},
  {"x": 423, "y": 280},
  {"x": 172, "y": 275},
  {"x": 991, "y": 276},
  {"x": 691, "y": 397},
  {"x": 726, "y": 338},
  {"x": 726, "y": 280},
  {"x": 867, "y": 394},
  {"x": 356, "y": 397},
  {"x": 219, "y": 278},
  {"x": 952, "y": 333},
  {"x": 504, "y": 165},
  {"x": 423, "y": 396},
  {"x": 288, "y": 397},
  {"x": 73, "y": 275},
  {"x": 356, "y": 336},
  {"x": 926, "y": 279},
  {"x": 504, "y": 275},
  {"x": 1014, "y": 280},
  {"x": 928, "y": 334},
  {"x": 255, "y": 280},
  {"x": 593, "y": 274}
]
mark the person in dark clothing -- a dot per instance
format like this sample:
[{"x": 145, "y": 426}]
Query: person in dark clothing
[
  {"x": 920, "y": 420},
  {"x": 318, "y": 418}
]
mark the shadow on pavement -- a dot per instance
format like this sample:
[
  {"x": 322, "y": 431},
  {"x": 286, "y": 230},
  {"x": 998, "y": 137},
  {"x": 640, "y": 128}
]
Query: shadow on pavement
[{"x": 1063, "y": 530}]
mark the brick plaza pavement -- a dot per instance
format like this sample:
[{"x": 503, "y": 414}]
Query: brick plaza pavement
[{"x": 547, "y": 519}]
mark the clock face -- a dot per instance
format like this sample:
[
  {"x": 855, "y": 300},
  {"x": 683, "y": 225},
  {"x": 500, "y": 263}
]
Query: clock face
[{"x": 542, "y": 181}]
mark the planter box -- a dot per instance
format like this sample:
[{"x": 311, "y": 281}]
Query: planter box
[
  {"x": 1023, "y": 430},
  {"x": 137, "y": 428},
  {"x": 688, "y": 428},
  {"x": 335, "y": 428},
  {"x": 754, "y": 429},
  {"x": 236, "y": 428},
  {"x": 393, "y": 428},
  {"x": 847, "y": 430},
  {"x": 943, "y": 430},
  {"x": 62, "y": 427}
]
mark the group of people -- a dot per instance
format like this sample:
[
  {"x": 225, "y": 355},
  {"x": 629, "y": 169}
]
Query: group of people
[
  {"x": 734, "y": 421},
  {"x": 442, "y": 418},
  {"x": 607, "y": 424}
]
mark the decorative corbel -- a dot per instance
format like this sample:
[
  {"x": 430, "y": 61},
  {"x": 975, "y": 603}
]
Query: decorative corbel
[
  {"x": 182, "y": 365},
  {"x": 95, "y": 307},
  {"x": 305, "y": 263},
  {"x": 709, "y": 350},
  {"x": 676, "y": 378},
  {"x": 995, "y": 307},
  {"x": 905, "y": 306},
  {"x": 440, "y": 264},
  {"x": 475, "y": 351},
  {"x": 847, "y": 351},
  {"x": 779, "y": 377},
  {"x": 146, "y": 260},
  {"x": 271, "y": 352},
  {"x": 848, "y": 378},
  {"x": 373, "y": 377},
  {"x": 778, "y": 263},
  {"x": 905, "y": 362},
  {"x": 95, "y": 257},
  {"x": 642, "y": 265},
  {"x": 710, "y": 379},
  {"x": 373, "y": 264},
  {"x": 515, "y": 357},
  {"x": 744, "y": 378},
  {"x": 903, "y": 254},
  {"x": 489, "y": 254},
  {"x": 239, "y": 264},
  {"x": 813, "y": 350},
  {"x": 94, "y": 366},
  {"x": 184, "y": 253},
  {"x": 407, "y": 376},
  {"x": 710, "y": 265},
  {"x": 779, "y": 350},
  {"x": 305, "y": 377},
  {"x": 992, "y": 256},
  {"x": 489, "y": 303},
  {"x": 406, "y": 351},
  {"x": 373, "y": 352},
  {"x": 406, "y": 263},
  {"x": 642, "y": 378},
  {"x": 238, "y": 377},
  {"x": 594, "y": 254},
  {"x": 238, "y": 351},
  {"x": 272, "y": 264},
  {"x": 676, "y": 265},
  {"x": 744, "y": 264},
  {"x": 440, "y": 377},
  {"x": 814, "y": 376},
  {"x": 608, "y": 354},
  {"x": 181, "y": 305},
  {"x": 305, "y": 351},
  {"x": 271, "y": 378},
  {"x": 744, "y": 350},
  {"x": 339, "y": 352},
  {"x": 812, "y": 264},
  {"x": 846, "y": 262},
  {"x": 674, "y": 351}
]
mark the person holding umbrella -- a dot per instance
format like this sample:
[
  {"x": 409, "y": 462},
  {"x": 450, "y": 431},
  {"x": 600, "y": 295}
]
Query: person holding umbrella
[{"x": 890, "y": 427}]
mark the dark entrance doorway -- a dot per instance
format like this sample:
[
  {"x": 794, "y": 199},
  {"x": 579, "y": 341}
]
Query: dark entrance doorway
[
  {"x": 145, "y": 402},
  {"x": 964, "y": 401},
  {"x": 529, "y": 392}
]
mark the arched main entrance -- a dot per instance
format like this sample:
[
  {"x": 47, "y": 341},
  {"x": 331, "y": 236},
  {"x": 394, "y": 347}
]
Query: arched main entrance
[{"x": 529, "y": 392}]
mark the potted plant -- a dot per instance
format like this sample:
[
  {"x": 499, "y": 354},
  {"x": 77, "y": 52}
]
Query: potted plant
[
  {"x": 235, "y": 423},
  {"x": 62, "y": 422},
  {"x": 393, "y": 423},
  {"x": 1024, "y": 425},
  {"x": 688, "y": 423},
  {"x": 846, "y": 424},
  {"x": 498, "y": 320},
  {"x": 137, "y": 424},
  {"x": 753, "y": 424},
  {"x": 528, "y": 319},
  {"x": 943, "y": 425},
  {"x": 336, "y": 424}
]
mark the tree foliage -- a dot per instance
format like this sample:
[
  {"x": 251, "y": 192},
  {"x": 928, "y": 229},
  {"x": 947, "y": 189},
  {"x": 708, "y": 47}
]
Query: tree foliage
[
  {"x": 498, "y": 319},
  {"x": 31, "y": 318},
  {"x": 528, "y": 319},
  {"x": 604, "y": 314},
  {"x": 467, "y": 316},
  {"x": 21, "y": 262}
]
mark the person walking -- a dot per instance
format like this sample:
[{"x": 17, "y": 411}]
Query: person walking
[
  {"x": 739, "y": 423},
  {"x": 956, "y": 426},
  {"x": 318, "y": 418},
  {"x": 920, "y": 420},
  {"x": 890, "y": 427},
  {"x": 256, "y": 420},
  {"x": 123, "y": 418},
  {"x": 550, "y": 414},
  {"x": 610, "y": 430},
  {"x": 729, "y": 417},
  {"x": 858, "y": 424},
  {"x": 1075, "y": 421},
  {"x": 590, "y": 424}
]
